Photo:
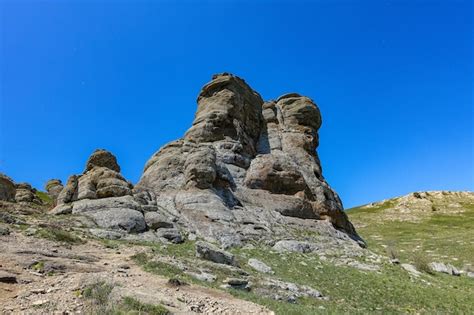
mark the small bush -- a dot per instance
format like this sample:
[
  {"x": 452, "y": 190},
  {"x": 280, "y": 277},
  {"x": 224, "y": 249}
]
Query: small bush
[
  {"x": 97, "y": 295},
  {"x": 422, "y": 263},
  {"x": 59, "y": 236},
  {"x": 130, "y": 304}
]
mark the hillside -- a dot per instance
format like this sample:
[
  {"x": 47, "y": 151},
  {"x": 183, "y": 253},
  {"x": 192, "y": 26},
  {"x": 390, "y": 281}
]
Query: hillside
[
  {"x": 435, "y": 224},
  {"x": 58, "y": 264},
  {"x": 235, "y": 217}
]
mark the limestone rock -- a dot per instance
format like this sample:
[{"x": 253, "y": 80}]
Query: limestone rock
[
  {"x": 445, "y": 268},
  {"x": 26, "y": 193},
  {"x": 156, "y": 220},
  {"x": 104, "y": 195},
  {"x": 210, "y": 252},
  {"x": 246, "y": 168},
  {"x": 293, "y": 246},
  {"x": 259, "y": 266},
  {"x": 7, "y": 188},
  {"x": 54, "y": 188},
  {"x": 102, "y": 158}
]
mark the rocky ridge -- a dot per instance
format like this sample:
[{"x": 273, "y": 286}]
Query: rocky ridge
[{"x": 245, "y": 170}]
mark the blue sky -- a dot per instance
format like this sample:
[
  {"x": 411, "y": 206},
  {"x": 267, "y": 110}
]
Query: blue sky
[{"x": 393, "y": 80}]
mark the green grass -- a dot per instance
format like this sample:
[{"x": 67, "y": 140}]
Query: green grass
[
  {"x": 448, "y": 238},
  {"x": 44, "y": 197},
  {"x": 130, "y": 305},
  {"x": 98, "y": 297},
  {"x": 58, "y": 235},
  {"x": 350, "y": 291}
]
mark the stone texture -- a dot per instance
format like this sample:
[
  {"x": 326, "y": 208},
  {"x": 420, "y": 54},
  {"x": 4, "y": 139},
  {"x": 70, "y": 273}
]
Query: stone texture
[
  {"x": 212, "y": 253},
  {"x": 26, "y": 193},
  {"x": 293, "y": 246},
  {"x": 54, "y": 188},
  {"x": 445, "y": 268},
  {"x": 7, "y": 188},
  {"x": 246, "y": 168},
  {"x": 102, "y": 158},
  {"x": 259, "y": 266}
]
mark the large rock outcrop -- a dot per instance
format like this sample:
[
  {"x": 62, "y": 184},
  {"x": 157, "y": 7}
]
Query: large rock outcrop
[
  {"x": 104, "y": 195},
  {"x": 12, "y": 192},
  {"x": 246, "y": 168}
]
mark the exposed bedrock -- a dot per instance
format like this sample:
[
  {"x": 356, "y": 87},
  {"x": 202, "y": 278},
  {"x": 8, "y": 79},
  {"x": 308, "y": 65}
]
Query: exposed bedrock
[{"x": 246, "y": 168}]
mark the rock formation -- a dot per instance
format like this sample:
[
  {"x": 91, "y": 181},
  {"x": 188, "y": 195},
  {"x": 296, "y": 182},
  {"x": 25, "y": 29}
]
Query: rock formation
[
  {"x": 244, "y": 166},
  {"x": 54, "y": 188},
  {"x": 246, "y": 169},
  {"x": 11, "y": 192}
]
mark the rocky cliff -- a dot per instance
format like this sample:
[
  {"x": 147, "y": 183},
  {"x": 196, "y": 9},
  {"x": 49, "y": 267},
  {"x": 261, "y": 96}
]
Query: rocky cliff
[{"x": 244, "y": 166}]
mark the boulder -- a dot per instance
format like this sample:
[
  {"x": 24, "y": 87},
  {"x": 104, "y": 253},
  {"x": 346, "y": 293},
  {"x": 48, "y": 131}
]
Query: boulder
[
  {"x": 212, "y": 253},
  {"x": 26, "y": 193},
  {"x": 259, "y": 266},
  {"x": 293, "y": 246},
  {"x": 157, "y": 220},
  {"x": 444, "y": 268},
  {"x": 102, "y": 158}
]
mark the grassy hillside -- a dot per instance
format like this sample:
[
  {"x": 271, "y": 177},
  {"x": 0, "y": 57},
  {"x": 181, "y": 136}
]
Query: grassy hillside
[{"x": 438, "y": 226}]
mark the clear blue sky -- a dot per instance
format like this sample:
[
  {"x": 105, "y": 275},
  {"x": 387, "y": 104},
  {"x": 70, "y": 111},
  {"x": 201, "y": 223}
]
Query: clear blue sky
[{"x": 393, "y": 79}]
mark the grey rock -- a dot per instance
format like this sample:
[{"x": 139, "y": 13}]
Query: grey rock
[
  {"x": 411, "y": 269},
  {"x": 54, "y": 188},
  {"x": 107, "y": 234},
  {"x": 293, "y": 246},
  {"x": 172, "y": 235},
  {"x": 470, "y": 274},
  {"x": 25, "y": 193},
  {"x": 157, "y": 220},
  {"x": 129, "y": 220},
  {"x": 203, "y": 276},
  {"x": 444, "y": 268},
  {"x": 212, "y": 253},
  {"x": 259, "y": 266},
  {"x": 242, "y": 161},
  {"x": 102, "y": 158}
]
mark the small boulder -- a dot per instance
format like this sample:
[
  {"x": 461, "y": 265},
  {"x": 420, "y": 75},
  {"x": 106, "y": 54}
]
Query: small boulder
[
  {"x": 259, "y": 266},
  {"x": 172, "y": 235},
  {"x": 157, "y": 220},
  {"x": 445, "y": 268},
  {"x": 102, "y": 158},
  {"x": 293, "y": 246},
  {"x": 411, "y": 269},
  {"x": 212, "y": 253}
]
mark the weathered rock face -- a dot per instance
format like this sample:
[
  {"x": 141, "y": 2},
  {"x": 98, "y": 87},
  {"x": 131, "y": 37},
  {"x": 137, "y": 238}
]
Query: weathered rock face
[
  {"x": 245, "y": 168},
  {"x": 54, "y": 188},
  {"x": 104, "y": 195},
  {"x": 7, "y": 188},
  {"x": 26, "y": 193}
]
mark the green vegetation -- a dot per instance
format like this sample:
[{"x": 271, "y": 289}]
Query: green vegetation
[
  {"x": 440, "y": 237},
  {"x": 44, "y": 197},
  {"x": 98, "y": 297},
  {"x": 55, "y": 234},
  {"x": 130, "y": 306},
  {"x": 350, "y": 291}
]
